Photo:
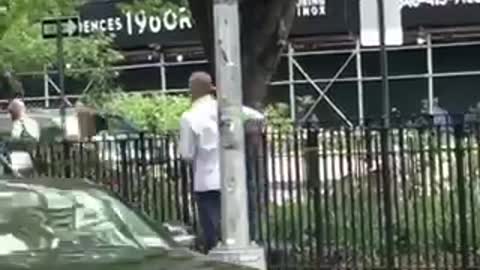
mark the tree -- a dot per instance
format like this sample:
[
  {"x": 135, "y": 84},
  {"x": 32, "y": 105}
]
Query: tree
[
  {"x": 265, "y": 26},
  {"x": 22, "y": 48}
]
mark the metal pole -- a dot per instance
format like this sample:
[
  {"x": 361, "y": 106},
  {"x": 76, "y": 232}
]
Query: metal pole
[
  {"x": 291, "y": 79},
  {"x": 61, "y": 72},
  {"x": 384, "y": 65},
  {"x": 231, "y": 126},
  {"x": 430, "y": 74},
  {"x": 385, "y": 141},
  {"x": 236, "y": 246},
  {"x": 163, "y": 73},
  {"x": 46, "y": 86},
  {"x": 361, "y": 112}
]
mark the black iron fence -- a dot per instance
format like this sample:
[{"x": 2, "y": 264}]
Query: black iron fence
[
  {"x": 406, "y": 197},
  {"x": 143, "y": 169}
]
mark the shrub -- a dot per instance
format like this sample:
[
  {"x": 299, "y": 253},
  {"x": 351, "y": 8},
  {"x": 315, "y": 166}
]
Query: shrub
[
  {"x": 158, "y": 113},
  {"x": 278, "y": 118}
]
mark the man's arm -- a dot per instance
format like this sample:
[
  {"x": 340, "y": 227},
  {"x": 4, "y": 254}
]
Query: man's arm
[
  {"x": 254, "y": 123},
  {"x": 251, "y": 114},
  {"x": 187, "y": 140},
  {"x": 17, "y": 130}
]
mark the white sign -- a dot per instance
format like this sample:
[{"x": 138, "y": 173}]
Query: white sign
[
  {"x": 312, "y": 8},
  {"x": 436, "y": 3},
  {"x": 369, "y": 26},
  {"x": 140, "y": 23},
  {"x": 69, "y": 27},
  {"x": 134, "y": 24}
]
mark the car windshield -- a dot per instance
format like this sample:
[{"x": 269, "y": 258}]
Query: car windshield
[{"x": 35, "y": 218}]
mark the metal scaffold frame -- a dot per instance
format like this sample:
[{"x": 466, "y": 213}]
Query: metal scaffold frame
[
  {"x": 353, "y": 54},
  {"x": 356, "y": 53}
]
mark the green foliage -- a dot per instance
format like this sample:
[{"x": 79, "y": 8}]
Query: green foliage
[
  {"x": 33, "y": 10},
  {"x": 278, "y": 117},
  {"x": 154, "y": 6},
  {"x": 156, "y": 113},
  {"x": 22, "y": 49},
  {"x": 162, "y": 112}
]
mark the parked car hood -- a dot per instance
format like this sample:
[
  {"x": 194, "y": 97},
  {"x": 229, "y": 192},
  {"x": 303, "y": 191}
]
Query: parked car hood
[{"x": 172, "y": 260}]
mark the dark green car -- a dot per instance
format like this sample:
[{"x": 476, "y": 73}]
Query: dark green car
[{"x": 73, "y": 224}]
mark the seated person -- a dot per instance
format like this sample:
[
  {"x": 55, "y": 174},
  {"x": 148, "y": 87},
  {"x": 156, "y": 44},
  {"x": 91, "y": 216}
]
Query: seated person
[{"x": 24, "y": 129}]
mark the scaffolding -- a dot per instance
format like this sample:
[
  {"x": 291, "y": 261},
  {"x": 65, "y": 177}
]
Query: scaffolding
[{"x": 354, "y": 55}]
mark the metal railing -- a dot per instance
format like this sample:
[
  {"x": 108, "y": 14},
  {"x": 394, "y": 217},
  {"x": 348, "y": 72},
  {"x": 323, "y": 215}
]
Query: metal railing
[{"x": 317, "y": 196}]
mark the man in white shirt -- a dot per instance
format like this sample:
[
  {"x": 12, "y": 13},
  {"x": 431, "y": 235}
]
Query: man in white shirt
[
  {"x": 199, "y": 145},
  {"x": 24, "y": 128}
]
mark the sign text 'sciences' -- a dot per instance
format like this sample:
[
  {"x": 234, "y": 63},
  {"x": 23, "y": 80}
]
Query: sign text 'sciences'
[{"x": 140, "y": 23}]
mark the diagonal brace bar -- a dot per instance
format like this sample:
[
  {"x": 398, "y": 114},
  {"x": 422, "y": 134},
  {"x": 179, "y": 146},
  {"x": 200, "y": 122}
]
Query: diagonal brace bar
[{"x": 322, "y": 93}]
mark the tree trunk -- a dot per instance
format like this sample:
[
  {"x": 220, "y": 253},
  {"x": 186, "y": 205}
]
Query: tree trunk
[
  {"x": 265, "y": 26},
  {"x": 12, "y": 85},
  {"x": 202, "y": 13}
]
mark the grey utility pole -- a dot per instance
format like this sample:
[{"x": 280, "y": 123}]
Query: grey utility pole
[
  {"x": 59, "y": 28},
  {"x": 61, "y": 73},
  {"x": 384, "y": 64},
  {"x": 385, "y": 141},
  {"x": 235, "y": 246}
]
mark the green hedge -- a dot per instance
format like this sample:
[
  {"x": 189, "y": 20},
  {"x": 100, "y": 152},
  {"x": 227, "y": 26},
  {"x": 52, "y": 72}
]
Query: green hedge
[
  {"x": 157, "y": 113},
  {"x": 161, "y": 113}
]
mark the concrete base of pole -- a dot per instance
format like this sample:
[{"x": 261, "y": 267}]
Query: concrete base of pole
[{"x": 252, "y": 256}]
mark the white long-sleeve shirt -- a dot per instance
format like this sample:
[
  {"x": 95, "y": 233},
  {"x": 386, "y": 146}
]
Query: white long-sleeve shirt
[
  {"x": 22, "y": 129},
  {"x": 199, "y": 141},
  {"x": 25, "y": 127}
]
